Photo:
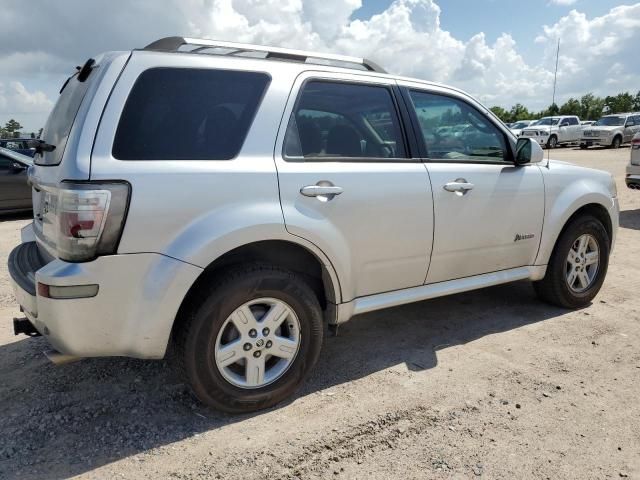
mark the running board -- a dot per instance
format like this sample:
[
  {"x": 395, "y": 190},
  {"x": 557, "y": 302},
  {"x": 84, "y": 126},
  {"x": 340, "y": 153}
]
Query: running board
[{"x": 433, "y": 290}]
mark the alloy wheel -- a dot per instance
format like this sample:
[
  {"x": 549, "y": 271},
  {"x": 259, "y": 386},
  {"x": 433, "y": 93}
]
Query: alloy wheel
[{"x": 258, "y": 343}]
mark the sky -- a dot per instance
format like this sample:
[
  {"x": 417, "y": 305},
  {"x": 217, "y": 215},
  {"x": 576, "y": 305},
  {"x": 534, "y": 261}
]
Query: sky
[{"x": 501, "y": 51}]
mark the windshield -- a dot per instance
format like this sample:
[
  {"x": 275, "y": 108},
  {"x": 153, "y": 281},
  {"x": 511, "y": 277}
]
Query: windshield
[
  {"x": 548, "y": 121},
  {"x": 610, "y": 122},
  {"x": 520, "y": 125}
]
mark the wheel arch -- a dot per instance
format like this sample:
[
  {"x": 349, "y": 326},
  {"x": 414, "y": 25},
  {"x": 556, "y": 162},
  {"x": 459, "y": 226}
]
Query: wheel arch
[
  {"x": 592, "y": 207},
  {"x": 317, "y": 271}
]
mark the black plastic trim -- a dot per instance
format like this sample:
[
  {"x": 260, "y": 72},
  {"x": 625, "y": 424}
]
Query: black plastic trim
[{"x": 24, "y": 261}]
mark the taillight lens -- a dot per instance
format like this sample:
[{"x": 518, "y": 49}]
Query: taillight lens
[
  {"x": 90, "y": 219},
  {"x": 635, "y": 143}
]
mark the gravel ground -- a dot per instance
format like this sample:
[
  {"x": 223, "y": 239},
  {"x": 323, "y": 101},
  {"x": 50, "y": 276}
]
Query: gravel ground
[{"x": 488, "y": 384}]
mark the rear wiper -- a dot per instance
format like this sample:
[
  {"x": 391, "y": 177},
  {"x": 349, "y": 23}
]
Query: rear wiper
[
  {"x": 82, "y": 72},
  {"x": 41, "y": 146}
]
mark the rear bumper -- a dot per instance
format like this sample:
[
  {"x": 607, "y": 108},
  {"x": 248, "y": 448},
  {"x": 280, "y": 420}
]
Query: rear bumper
[
  {"x": 132, "y": 314},
  {"x": 633, "y": 176}
]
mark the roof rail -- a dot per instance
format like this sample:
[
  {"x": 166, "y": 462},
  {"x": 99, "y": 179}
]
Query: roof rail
[{"x": 173, "y": 44}]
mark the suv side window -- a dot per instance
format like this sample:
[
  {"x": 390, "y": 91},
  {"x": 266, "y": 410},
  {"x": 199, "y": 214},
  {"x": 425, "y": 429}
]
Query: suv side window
[
  {"x": 631, "y": 121},
  {"x": 336, "y": 120},
  {"x": 455, "y": 131},
  {"x": 188, "y": 114}
]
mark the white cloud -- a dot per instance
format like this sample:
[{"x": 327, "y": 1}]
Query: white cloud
[
  {"x": 563, "y": 2},
  {"x": 406, "y": 38},
  {"x": 15, "y": 98}
]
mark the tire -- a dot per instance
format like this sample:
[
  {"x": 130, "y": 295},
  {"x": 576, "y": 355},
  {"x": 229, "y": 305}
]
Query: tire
[
  {"x": 583, "y": 147},
  {"x": 198, "y": 339},
  {"x": 552, "y": 142},
  {"x": 617, "y": 141},
  {"x": 554, "y": 287}
]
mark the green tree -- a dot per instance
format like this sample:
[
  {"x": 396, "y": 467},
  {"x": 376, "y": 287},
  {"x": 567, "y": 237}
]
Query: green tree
[
  {"x": 501, "y": 113},
  {"x": 591, "y": 107},
  {"x": 12, "y": 128},
  {"x": 636, "y": 102},
  {"x": 571, "y": 107},
  {"x": 623, "y": 102},
  {"x": 519, "y": 112}
]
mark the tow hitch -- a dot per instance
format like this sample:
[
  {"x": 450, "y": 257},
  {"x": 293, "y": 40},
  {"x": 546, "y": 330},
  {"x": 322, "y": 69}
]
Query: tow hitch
[{"x": 23, "y": 325}]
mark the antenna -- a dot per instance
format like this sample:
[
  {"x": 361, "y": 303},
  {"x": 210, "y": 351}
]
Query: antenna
[{"x": 553, "y": 99}]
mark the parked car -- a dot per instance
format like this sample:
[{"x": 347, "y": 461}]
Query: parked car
[
  {"x": 553, "y": 131},
  {"x": 611, "y": 130},
  {"x": 229, "y": 206},
  {"x": 20, "y": 145},
  {"x": 516, "y": 128},
  {"x": 633, "y": 169},
  {"x": 15, "y": 193}
]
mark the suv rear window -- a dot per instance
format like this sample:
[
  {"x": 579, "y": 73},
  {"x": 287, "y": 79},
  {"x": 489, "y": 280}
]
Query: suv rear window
[
  {"x": 188, "y": 114},
  {"x": 56, "y": 130}
]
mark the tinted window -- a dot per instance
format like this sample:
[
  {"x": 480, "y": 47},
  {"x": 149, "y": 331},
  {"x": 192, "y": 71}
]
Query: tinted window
[
  {"x": 344, "y": 120},
  {"x": 58, "y": 127},
  {"x": 453, "y": 130},
  {"x": 188, "y": 114},
  {"x": 573, "y": 121}
]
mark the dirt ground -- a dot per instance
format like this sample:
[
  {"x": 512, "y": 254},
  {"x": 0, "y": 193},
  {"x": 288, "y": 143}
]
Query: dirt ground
[{"x": 488, "y": 384}]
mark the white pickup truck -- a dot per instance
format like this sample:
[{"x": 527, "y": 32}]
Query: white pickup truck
[{"x": 553, "y": 131}]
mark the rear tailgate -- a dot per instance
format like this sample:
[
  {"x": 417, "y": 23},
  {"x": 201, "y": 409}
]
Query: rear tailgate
[{"x": 71, "y": 129}]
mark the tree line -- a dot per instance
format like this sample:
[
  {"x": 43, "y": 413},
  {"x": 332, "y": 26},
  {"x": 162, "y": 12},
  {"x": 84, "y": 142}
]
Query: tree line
[
  {"x": 12, "y": 129},
  {"x": 589, "y": 107}
]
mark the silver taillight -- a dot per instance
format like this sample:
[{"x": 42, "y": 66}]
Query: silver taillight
[{"x": 90, "y": 219}]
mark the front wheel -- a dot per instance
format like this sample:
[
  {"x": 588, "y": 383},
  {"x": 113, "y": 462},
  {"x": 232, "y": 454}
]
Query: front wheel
[
  {"x": 552, "y": 142},
  {"x": 617, "y": 141},
  {"x": 578, "y": 264},
  {"x": 250, "y": 339}
]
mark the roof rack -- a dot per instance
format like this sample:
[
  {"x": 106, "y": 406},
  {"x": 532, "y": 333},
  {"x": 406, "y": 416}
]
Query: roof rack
[{"x": 200, "y": 45}]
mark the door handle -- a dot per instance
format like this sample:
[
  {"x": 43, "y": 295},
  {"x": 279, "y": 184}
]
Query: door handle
[
  {"x": 460, "y": 186},
  {"x": 323, "y": 191}
]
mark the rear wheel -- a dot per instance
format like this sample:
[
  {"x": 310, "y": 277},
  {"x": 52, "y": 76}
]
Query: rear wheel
[
  {"x": 552, "y": 142},
  {"x": 250, "y": 339},
  {"x": 583, "y": 147},
  {"x": 578, "y": 264}
]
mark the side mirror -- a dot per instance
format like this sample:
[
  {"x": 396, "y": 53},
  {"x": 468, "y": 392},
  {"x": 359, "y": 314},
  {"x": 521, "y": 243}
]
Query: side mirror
[{"x": 528, "y": 151}]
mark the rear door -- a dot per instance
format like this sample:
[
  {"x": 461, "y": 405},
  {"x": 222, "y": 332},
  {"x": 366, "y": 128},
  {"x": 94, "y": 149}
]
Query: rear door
[
  {"x": 350, "y": 185},
  {"x": 488, "y": 212}
]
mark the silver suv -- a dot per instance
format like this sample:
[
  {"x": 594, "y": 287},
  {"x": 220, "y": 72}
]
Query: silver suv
[
  {"x": 611, "y": 130},
  {"x": 230, "y": 200}
]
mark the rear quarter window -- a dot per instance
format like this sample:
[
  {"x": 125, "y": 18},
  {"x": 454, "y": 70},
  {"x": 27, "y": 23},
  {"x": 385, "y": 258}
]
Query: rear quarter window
[{"x": 188, "y": 114}]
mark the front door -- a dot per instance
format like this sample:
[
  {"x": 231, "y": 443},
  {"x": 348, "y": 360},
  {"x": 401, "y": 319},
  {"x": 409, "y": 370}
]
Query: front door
[
  {"x": 348, "y": 183},
  {"x": 488, "y": 213}
]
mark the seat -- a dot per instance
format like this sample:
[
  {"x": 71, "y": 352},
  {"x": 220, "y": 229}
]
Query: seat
[
  {"x": 310, "y": 138},
  {"x": 344, "y": 141}
]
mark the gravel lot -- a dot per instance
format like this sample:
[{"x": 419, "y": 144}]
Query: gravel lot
[{"x": 488, "y": 384}]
